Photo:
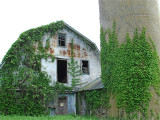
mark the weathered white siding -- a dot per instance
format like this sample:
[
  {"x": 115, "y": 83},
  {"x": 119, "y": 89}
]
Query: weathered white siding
[{"x": 82, "y": 51}]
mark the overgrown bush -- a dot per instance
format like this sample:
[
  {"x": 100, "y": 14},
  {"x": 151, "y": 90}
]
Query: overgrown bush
[{"x": 24, "y": 87}]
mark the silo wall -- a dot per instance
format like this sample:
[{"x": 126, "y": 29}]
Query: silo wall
[{"x": 129, "y": 15}]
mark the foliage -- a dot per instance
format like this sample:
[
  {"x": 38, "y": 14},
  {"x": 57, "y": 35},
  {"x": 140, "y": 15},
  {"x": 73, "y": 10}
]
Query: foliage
[
  {"x": 58, "y": 117},
  {"x": 108, "y": 57},
  {"x": 74, "y": 68},
  {"x": 24, "y": 87},
  {"x": 23, "y": 92},
  {"x": 23, "y": 51},
  {"x": 129, "y": 70},
  {"x": 97, "y": 99},
  {"x": 60, "y": 88}
]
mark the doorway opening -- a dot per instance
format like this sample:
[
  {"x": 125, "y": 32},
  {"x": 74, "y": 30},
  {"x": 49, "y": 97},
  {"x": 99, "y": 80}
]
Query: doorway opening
[{"x": 62, "y": 71}]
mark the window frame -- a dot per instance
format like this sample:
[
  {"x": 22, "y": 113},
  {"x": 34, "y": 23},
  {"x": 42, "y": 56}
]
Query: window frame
[
  {"x": 64, "y": 40},
  {"x": 88, "y": 67}
]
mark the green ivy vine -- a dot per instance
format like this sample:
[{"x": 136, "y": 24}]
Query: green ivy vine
[
  {"x": 97, "y": 99},
  {"x": 24, "y": 88},
  {"x": 74, "y": 68},
  {"x": 129, "y": 70}
]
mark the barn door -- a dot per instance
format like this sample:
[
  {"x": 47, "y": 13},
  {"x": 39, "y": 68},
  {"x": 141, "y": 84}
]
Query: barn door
[{"x": 62, "y": 105}]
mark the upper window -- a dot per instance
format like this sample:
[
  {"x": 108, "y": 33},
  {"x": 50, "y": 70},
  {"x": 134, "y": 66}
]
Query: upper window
[
  {"x": 61, "y": 40},
  {"x": 85, "y": 67}
]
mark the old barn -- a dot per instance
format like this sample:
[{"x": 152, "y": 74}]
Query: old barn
[
  {"x": 49, "y": 49},
  {"x": 86, "y": 54}
]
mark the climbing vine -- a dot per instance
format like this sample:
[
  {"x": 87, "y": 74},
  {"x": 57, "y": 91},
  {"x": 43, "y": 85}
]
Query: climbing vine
[
  {"x": 24, "y": 87},
  {"x": 129, "y": 70},
  {"x": 97, "y": 99},
  {"x": 74, "y": 68}
]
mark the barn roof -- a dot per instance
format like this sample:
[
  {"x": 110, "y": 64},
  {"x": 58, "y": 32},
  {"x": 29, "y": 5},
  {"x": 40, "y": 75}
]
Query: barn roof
[
  {"x": 84, "y": 38},
  {"x": 47, "y": 28},
  {"x": 95, "y": 84}
]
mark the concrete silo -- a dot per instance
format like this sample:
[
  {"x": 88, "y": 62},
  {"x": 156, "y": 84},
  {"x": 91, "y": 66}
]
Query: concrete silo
[{"x": 131, "y": 14}]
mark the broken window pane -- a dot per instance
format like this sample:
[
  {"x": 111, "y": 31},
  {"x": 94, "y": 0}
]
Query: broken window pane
[
  {"x": 61, "y": 39},
  {"x": 85, "y": 67}
]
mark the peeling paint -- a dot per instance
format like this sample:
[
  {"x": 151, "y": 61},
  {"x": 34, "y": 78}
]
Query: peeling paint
[
  {"x": 81, "y": 52},
  {"x": 76, "y": 47},
  {"x": 64, "y": 52},
  {"x": 69, "y": 53},
  {"x": 54, "y": 43},
  {"x": 51, "y": 51},
  {"x": 54, "y": 40},
  {"x": 79, "y": 55},
  {"x": 69, "y": 46},
  {"x": 55, "y": 37}
]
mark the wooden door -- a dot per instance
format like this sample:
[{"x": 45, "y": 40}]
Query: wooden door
[{"x": 62, "y": 105}]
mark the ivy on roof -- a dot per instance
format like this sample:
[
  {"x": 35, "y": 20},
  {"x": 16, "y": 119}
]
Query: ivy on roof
[
  {"x": 24, "y": 43},
  {"x": 23, "y": 47}
]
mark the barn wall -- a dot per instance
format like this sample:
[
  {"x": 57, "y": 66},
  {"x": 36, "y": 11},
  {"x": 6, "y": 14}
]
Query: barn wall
[{"x": 82, "y": 51}]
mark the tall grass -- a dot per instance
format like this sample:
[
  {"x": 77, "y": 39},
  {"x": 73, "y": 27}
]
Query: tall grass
[{"x": 58, "y": 117}]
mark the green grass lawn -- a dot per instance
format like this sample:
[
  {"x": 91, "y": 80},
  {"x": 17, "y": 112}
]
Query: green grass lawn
[{"x": 60, "y": 117}]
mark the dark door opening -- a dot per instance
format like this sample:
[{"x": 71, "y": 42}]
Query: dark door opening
[{"x": 62, "y": 71}]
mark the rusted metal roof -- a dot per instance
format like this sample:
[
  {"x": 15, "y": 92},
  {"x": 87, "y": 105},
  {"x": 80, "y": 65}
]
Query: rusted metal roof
[{"x": 95, "y": 84}]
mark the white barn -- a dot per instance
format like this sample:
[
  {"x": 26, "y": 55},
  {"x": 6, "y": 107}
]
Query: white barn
[{"x": 86, "y": 54}]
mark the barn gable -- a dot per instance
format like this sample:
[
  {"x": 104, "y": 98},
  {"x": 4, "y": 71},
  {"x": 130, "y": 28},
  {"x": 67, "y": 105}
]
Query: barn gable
[{"x": 86, "y": 54}]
